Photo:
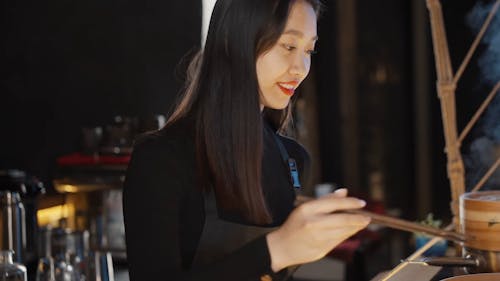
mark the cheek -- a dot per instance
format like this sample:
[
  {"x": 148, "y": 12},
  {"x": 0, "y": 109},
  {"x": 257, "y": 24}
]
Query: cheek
[
  {"x": 308, "y": 66},
  {"x": 270, "y": 67},
  {"x": 261, "y": 73}
]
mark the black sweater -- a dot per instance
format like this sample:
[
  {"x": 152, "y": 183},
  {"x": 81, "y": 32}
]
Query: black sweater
[{"x": 164, "y": 214}]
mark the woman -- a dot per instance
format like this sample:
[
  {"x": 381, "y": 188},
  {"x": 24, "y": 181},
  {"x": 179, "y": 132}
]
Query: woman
[{"x": 211, "y": 195}]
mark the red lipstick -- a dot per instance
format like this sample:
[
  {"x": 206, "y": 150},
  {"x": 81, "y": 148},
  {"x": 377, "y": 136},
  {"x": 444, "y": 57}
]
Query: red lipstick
[{"x": 288, "y": 88}]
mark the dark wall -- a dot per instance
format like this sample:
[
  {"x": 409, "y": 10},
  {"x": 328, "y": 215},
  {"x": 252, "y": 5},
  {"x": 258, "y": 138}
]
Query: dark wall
[
  {"x": 383, "y": 99},
  {"x": 65, "y": 65},
  {"x": 386, "y": 101},
  {"x": 326, "y": 69}
]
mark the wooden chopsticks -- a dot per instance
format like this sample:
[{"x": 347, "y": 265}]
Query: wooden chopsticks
[{"x": 398, "y": 223}]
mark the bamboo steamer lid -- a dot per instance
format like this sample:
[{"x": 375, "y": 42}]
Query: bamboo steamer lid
[{"x": 480, "y": 219}]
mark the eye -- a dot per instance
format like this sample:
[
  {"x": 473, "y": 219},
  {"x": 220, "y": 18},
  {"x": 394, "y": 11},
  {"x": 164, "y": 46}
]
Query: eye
[
  {"x": 289, "y": 47},
  {"x": 312, "y": 52}
]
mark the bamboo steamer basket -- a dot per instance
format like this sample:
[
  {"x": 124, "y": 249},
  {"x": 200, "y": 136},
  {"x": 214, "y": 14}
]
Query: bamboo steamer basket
[{"x": 480, "y": 219}]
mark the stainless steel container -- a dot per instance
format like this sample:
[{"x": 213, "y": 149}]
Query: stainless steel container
[
  {"x": 10, "y": 271},
  {"x": 13, "y": 224}
]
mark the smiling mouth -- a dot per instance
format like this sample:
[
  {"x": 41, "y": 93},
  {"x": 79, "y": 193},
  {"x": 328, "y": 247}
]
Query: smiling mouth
[{"x": 287, "y": 89}]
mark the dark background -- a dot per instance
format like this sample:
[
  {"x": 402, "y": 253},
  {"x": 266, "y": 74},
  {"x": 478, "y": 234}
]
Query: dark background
[{"x": 67, "y": 65}]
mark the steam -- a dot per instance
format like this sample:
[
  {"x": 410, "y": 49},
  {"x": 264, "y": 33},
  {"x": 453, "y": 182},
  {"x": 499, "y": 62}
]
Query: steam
[
  {"x": 489, "y": 60},
  {"x": 486, "y": 149}
]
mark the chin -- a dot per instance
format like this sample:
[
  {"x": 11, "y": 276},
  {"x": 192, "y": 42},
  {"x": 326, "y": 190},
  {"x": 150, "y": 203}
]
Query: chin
[{"x": 277, "y": 106}]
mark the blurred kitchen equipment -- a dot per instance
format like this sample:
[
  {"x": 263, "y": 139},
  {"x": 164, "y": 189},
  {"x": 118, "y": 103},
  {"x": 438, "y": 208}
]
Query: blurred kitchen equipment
[
  {"x": 100, "y": 266},
  {"x": 13, "y": 234},
  {"x": 94, "y": 190},
  {"x": 98, "y": 208},
  {"x": 91, "y": 140},
  {"x": 45, "y": 267},
  {"x": 18, "y": 196},
  {"x": 151, "y": 123},
  {"x": 70, "y": 251},
  {"x": 93, "y": 186},
  {"x": 69, "y": 257},
  {"x": 10, "y": 271},
  {"x": 118, "y": 137}
]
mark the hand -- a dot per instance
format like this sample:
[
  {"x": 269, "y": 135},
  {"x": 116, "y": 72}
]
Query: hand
[{"x": 313, "y": 229}]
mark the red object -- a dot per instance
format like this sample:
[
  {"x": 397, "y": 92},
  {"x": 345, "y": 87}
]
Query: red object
[{"x": 77, "y": 159}]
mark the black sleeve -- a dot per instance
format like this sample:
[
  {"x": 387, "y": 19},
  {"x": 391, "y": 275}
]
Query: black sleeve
[
  {"x": 152, "y": 202},
  {"x": 150, "y": 209}
]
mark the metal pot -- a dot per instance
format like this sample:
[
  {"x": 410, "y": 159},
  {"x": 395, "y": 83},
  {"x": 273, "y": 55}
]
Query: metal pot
[
  {"x": 473, "y": 261},
  {"x": 475, "y": 277}
]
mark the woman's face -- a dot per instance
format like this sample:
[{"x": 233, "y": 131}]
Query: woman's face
[{"x": 282, "y": 68}]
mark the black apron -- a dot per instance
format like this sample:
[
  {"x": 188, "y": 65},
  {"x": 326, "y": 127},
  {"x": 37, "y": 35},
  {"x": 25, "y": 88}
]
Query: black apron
[{"x": 220, "y": 237}]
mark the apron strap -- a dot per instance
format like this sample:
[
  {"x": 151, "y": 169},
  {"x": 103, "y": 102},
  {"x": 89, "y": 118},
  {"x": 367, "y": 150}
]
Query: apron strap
[{"x": 289, "y": 162}]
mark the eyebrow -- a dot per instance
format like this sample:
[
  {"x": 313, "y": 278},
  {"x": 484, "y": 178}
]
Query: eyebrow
[{"x": 299, "y": 33}]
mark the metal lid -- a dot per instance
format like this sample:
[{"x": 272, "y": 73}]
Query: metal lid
[{"x": 18, "y": 181}]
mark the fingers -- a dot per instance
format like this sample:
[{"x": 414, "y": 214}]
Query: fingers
[
  {"x": 339, "y": 220},
  {"x": 331, "y": 203},
  {"x": 314, "y": 228},
  {"x": 341, "y": 192}
]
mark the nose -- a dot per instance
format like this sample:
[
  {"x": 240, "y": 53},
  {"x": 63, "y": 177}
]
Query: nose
[{"x": 300, "y": 66}]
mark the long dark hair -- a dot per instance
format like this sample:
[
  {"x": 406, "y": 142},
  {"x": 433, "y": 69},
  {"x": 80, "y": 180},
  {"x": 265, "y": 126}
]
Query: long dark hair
[{"x": 222, "y": 94}]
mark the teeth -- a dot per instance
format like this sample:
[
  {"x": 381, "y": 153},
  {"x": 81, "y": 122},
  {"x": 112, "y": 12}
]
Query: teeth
[{"x": 289, "y": 87}]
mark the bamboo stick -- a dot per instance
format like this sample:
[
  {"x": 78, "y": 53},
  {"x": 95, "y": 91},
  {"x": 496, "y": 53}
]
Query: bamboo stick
[
  {"x": 474, "y": 45},
  {"x": 479, "y": 112},
  {"x": 486, "y": 176}
]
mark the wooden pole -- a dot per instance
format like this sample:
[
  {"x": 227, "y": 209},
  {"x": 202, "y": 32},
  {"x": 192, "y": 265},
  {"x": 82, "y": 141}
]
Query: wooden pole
[{"x": 446, "y": 92}]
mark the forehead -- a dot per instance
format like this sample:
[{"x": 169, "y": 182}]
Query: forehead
[{"x": 302, "y": 18}]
